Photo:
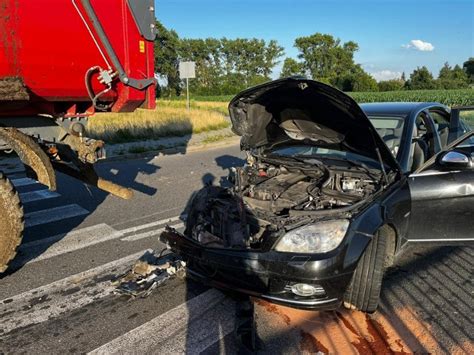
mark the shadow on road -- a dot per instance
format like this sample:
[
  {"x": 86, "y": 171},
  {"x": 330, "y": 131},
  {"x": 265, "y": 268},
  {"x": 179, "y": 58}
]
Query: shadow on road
[{"x": 90, "y": 198}]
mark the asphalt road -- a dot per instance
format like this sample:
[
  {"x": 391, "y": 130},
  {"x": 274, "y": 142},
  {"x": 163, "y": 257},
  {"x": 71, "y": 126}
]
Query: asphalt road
[{"x": 59, "y": 296}]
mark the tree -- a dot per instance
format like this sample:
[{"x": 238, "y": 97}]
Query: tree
[
  {"x": 166, "y": 57},
  {"x": 391, "y": 85},
  {"x": 206, "y": 54},
  {"x": 291, "y": 68},
  {"x": 325, "y": 58},
  {"x": 273, "y": 52},
  {"x": 421, "y": 79},
  {"x": 452, "y": 78},
  {"x": 356, "y": 79},
  {"x": 468, "y": 67},
  {"x": 249, "y": 61},
  {"x": 445, "y": 72}
]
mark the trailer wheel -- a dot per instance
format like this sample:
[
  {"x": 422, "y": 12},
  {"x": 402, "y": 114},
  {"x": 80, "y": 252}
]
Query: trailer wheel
[
  {"x": 11, "y": 222},
  {"x": 363, "y": 292}
]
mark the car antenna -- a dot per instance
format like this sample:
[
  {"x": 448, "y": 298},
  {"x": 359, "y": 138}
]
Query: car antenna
[{"x": 377, "y": 150}]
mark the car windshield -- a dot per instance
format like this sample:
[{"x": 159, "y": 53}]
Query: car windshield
[
  {"x": 390, "y": 129},
  {"x": 312, "y": 151}
]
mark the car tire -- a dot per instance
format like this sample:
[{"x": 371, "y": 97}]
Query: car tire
[
  {"x": 11, "y": 223},
  {"x": 363, "y": 292}
]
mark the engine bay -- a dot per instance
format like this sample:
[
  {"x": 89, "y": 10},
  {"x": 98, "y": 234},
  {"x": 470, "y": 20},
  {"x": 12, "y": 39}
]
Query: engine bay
[{"x": 269, "y": 198}]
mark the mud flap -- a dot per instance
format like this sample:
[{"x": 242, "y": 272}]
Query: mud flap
[
  {"x": 11, "y": 222},
  {"x": 31, "y": 154}
]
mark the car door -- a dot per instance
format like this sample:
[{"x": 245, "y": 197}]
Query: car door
[{"x": 442, "y": 195}]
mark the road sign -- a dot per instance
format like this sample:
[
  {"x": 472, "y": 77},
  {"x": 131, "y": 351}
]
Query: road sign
[{"x": 187, "y": 70}]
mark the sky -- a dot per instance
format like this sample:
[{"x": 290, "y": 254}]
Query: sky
[{"x": 393, "y": 36}]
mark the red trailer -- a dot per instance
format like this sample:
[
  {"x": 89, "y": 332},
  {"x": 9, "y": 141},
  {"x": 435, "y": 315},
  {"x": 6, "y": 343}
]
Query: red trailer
[{"x": 61, "y": 61}]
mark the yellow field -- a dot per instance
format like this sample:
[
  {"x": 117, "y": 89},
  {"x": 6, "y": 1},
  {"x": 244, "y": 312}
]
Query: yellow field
[
  {"x": 220, "y": 107},
  {"x": 171, "y": 118}
]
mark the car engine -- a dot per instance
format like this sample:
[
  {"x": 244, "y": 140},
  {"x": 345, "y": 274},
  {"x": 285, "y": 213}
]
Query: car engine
[{"x": 266, "y": 198}]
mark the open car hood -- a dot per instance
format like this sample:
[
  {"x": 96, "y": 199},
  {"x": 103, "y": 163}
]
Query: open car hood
[{"x": 298, "y": 110}]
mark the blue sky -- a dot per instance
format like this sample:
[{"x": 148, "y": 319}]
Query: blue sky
[{"x": 393, "y": 36}]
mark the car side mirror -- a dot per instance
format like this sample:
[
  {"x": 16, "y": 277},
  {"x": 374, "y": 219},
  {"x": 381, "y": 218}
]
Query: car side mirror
[{"x": 453, "y": 159}]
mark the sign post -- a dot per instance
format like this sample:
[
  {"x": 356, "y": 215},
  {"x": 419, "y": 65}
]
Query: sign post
[{"x": 187, "y": 70}]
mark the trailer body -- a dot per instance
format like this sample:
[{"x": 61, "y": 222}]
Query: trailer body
[
  {"x": 49, "y": 46},
  {"x": 60, "y": 62}
]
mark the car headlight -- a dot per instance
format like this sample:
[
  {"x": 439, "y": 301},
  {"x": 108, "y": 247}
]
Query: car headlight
[{"x": 314, "y": 238}]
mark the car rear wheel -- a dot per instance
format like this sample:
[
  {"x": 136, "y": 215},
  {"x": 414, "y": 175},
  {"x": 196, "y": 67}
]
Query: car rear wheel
[
  {"x": 11, "y": 222},
  {"x": 363, "y": 292}
]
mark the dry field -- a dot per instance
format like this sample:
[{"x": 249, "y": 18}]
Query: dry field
[{"x": 171, "y": 118}]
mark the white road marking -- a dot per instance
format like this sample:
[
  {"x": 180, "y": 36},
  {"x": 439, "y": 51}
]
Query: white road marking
[
  {"x": 38, "y": 195},
  {"x": 60, "y": 244},
  {"x": 54, "y": 214},
  {"x": 191, "y": 327},
  {"x": 49, "y": 301},
  {"x": 149, "y": 225},
  {"x": 14, "y": 170},
  {"x": 23, "y": 182},
  {"x": 148, "y": 234},
  {"x": 65, "y": 243}
]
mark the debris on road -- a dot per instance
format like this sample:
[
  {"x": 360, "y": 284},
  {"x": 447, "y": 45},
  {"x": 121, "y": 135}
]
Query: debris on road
[{"x": 149, "y": 272}]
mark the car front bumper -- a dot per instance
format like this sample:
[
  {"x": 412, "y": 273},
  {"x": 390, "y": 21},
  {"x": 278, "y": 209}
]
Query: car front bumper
[{"x": 267, "y": 275}]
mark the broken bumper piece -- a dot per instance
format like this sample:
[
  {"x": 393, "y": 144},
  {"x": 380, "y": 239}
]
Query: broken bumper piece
[
  {"x": 148, "y": 273},
  {"x": 297, "y": 281}
]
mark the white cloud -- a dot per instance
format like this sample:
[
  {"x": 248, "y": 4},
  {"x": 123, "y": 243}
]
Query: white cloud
[
  {"x": 386, "y": 75},
  {"x": 419, "y": 45}
]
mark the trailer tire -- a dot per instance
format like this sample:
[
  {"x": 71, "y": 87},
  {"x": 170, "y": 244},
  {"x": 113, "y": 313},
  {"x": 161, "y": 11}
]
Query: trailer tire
[
  {"x": 363, "y": 292},
  {"x": 11, "y": 223}
]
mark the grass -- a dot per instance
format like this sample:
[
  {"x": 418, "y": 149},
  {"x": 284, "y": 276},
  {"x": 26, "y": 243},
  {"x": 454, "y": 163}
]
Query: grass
[
  {"x": 447, "y": 97},
  {"x": 216, "y": 106},
  {"x": 169, "y": 119},
  {"x": 208, "y": 113},
  {"x": 216, "y": 138}
]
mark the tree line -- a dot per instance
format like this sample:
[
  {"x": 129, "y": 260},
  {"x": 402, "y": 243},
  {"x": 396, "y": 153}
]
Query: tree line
[
  {"x": 226, "y": 66},
  {"x": 223, "y": 66}
]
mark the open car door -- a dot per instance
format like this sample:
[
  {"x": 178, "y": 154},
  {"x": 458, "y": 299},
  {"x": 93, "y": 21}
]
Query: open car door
[{"x": 442, "y": 195}]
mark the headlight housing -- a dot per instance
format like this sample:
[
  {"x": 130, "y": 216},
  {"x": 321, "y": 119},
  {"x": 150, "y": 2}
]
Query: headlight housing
[{"x": 314, "y": 238}]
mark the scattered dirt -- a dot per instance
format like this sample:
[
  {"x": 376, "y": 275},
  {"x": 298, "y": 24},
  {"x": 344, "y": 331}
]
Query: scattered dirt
[
  {"x": 342, "y": 332},
  {"x": 353, "y": 332},
  {"x": 311, "y": 345},
  {"x": 272, "y": 308},
  {"x": 13, "y": 89}
]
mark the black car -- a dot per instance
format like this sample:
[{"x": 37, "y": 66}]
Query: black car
[{"x": 331, "y": 193}]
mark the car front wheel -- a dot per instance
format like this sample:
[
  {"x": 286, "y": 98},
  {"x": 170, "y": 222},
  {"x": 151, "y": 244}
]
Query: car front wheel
[{"x": 363, "y": 292}]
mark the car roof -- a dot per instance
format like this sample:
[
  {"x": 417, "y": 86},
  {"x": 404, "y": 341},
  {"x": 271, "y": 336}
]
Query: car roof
[{"x": 396, "y": 108}]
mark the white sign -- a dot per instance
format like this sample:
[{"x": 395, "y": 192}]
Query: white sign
[{"x": 187, "y": 70}]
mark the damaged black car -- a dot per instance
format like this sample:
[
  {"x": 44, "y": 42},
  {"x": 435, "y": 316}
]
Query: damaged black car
[{"x": 330, "y": 195}]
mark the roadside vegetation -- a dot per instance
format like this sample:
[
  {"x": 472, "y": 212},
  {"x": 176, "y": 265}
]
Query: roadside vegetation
[
  {"x": 227, "y": 66},
  {"x": 461, "y": 97},
  {"x": 168, "y": 119},
  {"x": 209, "y": 113}
]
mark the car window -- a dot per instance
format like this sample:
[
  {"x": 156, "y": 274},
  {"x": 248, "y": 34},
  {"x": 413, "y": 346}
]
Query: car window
[
  {"x": 467, "y": 118},
  {"x": 441, "y": 123},
  {"x": 390, "y": 129},
  {"x": 423, "y": 142}
]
